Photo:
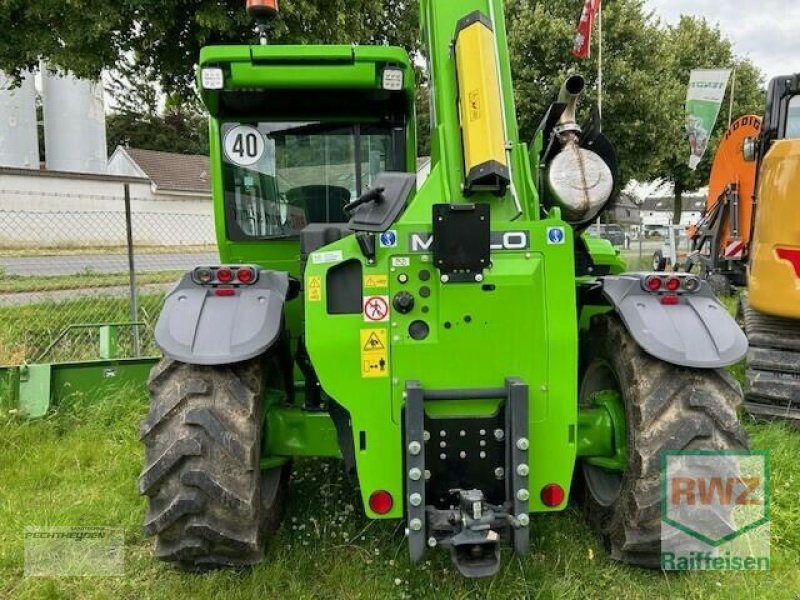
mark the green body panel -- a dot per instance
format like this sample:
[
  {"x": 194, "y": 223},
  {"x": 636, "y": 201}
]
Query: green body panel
[{"x": 520, "y": 321}]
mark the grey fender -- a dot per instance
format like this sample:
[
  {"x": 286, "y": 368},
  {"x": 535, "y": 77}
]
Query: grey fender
[
  {"x": 198, "y": 327},
  {"x": 697, "y": 332}
]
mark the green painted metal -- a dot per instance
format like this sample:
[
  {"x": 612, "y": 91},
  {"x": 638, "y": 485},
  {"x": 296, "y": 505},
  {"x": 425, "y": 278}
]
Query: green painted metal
[
  {"x": 603, "y": 432},
  {"x": 34, "y": 390},
  {"x": 521, "y": 321},
  {"x": 109, "y": 347},
  {"x": 292, "y": 431}
]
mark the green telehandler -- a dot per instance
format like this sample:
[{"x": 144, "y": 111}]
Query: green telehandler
[{"x": 471, "y": 357}]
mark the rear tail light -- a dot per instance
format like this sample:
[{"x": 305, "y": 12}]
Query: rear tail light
[
  {"x": 381, "y": 502},
  {"x": 224, "y": 275},
  {"x": 670, "y": 300},
  {"x": 203, "y": 275},
  {"x": 225, "y": 292},
  {"x": 673, "y": 284},
  {"x": 653, "y": 283},
  {"x": 691, "y": 283},
  {"x": 791, "y": 255},
  {"x": 245, "y": 275}
]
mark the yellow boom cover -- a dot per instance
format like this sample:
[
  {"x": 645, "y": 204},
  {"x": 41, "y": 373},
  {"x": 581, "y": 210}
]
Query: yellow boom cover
[{"x": 480, "y": 107}]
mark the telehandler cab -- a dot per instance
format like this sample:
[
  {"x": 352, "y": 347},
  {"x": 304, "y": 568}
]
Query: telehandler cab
[{"x": 459, "y": 344}]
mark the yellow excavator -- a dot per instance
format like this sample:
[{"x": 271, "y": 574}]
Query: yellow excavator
[{"x": 750, "y": 233}]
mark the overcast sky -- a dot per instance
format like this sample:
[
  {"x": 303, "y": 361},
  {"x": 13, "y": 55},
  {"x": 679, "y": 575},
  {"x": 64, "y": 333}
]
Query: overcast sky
[{"x": 767, "y": 31}]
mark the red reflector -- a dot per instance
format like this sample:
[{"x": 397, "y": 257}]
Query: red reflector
[
  {"x": 225, "y": 275},
  {"x": 669, "y": 300},
  {"x": 552, "y": 494},
  {"x": 245, "y": 275},
  {"x": 791, "y": 255},
  {"x": 673, "y": 284},
  {"x": 653, "y": 283},
  {"x": 225, "y": 292},
  {"x": 381, "y": 502}
]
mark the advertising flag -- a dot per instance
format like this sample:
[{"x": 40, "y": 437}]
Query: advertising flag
[
  {"x": 583, "y": 36},
  {"x": 703, "y": 101}
]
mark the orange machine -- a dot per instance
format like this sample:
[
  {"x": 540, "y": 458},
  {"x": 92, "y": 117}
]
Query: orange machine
[
  {"x": 721, "y": 240},
  {"x": 750, "y": 235}
]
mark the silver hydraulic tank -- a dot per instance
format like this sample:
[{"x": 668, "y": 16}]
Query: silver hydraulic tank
[
  {"x": 74, "y": 124},
  {"x": 19, "y": 137}
]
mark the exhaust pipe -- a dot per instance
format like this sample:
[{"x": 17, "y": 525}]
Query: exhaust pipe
[
  {"x": 569, "y": 94},
  {"x": 577, "y": 179}
]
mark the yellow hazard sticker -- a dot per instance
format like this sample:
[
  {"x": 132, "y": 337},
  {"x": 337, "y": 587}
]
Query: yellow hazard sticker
[
  {"x": 374, "y": 353},
  {"x": 376, "y": 281},
  {"x": 314, "y": 290}
]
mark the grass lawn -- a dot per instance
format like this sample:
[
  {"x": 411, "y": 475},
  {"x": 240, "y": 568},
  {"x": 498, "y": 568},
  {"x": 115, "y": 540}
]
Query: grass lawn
[
  {"x": 15, "y": 284},
  {"x": 79, "y": 467}
]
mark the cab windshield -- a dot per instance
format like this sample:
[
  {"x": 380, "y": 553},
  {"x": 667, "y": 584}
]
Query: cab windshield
[
  {"x": 280, "y": 177},
  {"x": 793, "y": 118}
]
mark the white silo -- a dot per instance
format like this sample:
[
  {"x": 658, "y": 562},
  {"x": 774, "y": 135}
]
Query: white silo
[
  {"x": 74, "y": 124},
  {"x": 19, "y": 138}
]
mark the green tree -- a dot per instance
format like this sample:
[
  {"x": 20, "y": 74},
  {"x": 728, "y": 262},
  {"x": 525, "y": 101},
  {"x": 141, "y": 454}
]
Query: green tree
[
  {"x": 693, "y": 43},
  {"x": 540, "y": 40},
  {"x": 86, "y": 36},
  {"x": 139, "y": 120}
]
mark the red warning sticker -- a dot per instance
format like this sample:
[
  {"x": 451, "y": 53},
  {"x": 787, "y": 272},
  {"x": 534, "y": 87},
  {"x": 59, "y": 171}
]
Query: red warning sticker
[{"x": 376, "y": 308}]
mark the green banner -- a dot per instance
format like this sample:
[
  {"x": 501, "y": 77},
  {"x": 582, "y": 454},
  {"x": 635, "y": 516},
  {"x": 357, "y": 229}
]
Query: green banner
[{"x": 703, "y": 100}]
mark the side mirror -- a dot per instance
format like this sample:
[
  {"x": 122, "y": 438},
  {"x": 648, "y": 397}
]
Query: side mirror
[{"x": 749, "y": 149}]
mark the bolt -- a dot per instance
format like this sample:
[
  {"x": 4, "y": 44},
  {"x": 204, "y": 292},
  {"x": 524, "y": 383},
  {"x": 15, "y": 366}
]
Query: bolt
[
  {"x": 482, "y": 432},
  {"x": 432, "y": 542},
  {"x": 396, "y": 338},
  {"x": 478, "y": 277},
  {"x": 414, "y": 448},
  {"x": 443, "y": 444},
  {"x": 463, "y": 454},
  {"x": 405, "y": 395},
  {"x": 524, "y": 520},
  {"x": 415, "y": 474},
  {"x": 543, "y": 388},
  {"x": 499, "y": 434},
  {"x": 499, "y": 472},
  {"x": 426, "y": 435},
  {"x": 444, "y": 278},
  {"x": 462, "y": 433},
  {"x": 482, "y": 443},
  {"x": 415, "y": 525},
  {"x": 395, "y": 381},
  {"x": 415, "y": 499},
  {"x": 442, "y": 433},
  {"x": 522, "y": 470},
  {"x": 523, "y": 444},
  {"x": 482, "y": 454},
  {"x": 427, "y": 474},
  {"x": 523, "y": 495},
  {"x": 443, "y": 456}
]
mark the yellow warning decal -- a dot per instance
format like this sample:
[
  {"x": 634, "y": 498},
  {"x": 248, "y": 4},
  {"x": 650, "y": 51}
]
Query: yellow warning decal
[
  {"x": 376, "y": 281},
  {"x": 314, "y": 290},
  {"x": 374, "y": 353}
]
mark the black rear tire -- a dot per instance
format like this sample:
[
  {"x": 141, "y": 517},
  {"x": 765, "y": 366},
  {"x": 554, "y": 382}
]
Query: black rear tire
[
  {"x": 667, "y": 407},
  {"x": 210, "y": 505}
]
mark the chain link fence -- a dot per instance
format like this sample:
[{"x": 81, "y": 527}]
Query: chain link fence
[{"x": 65, "y": 273}]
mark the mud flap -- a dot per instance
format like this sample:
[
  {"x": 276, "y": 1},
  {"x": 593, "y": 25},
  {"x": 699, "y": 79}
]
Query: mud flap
[
  {"x": 696, "y": 332},
  {"x": 197, "y": 326}
]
